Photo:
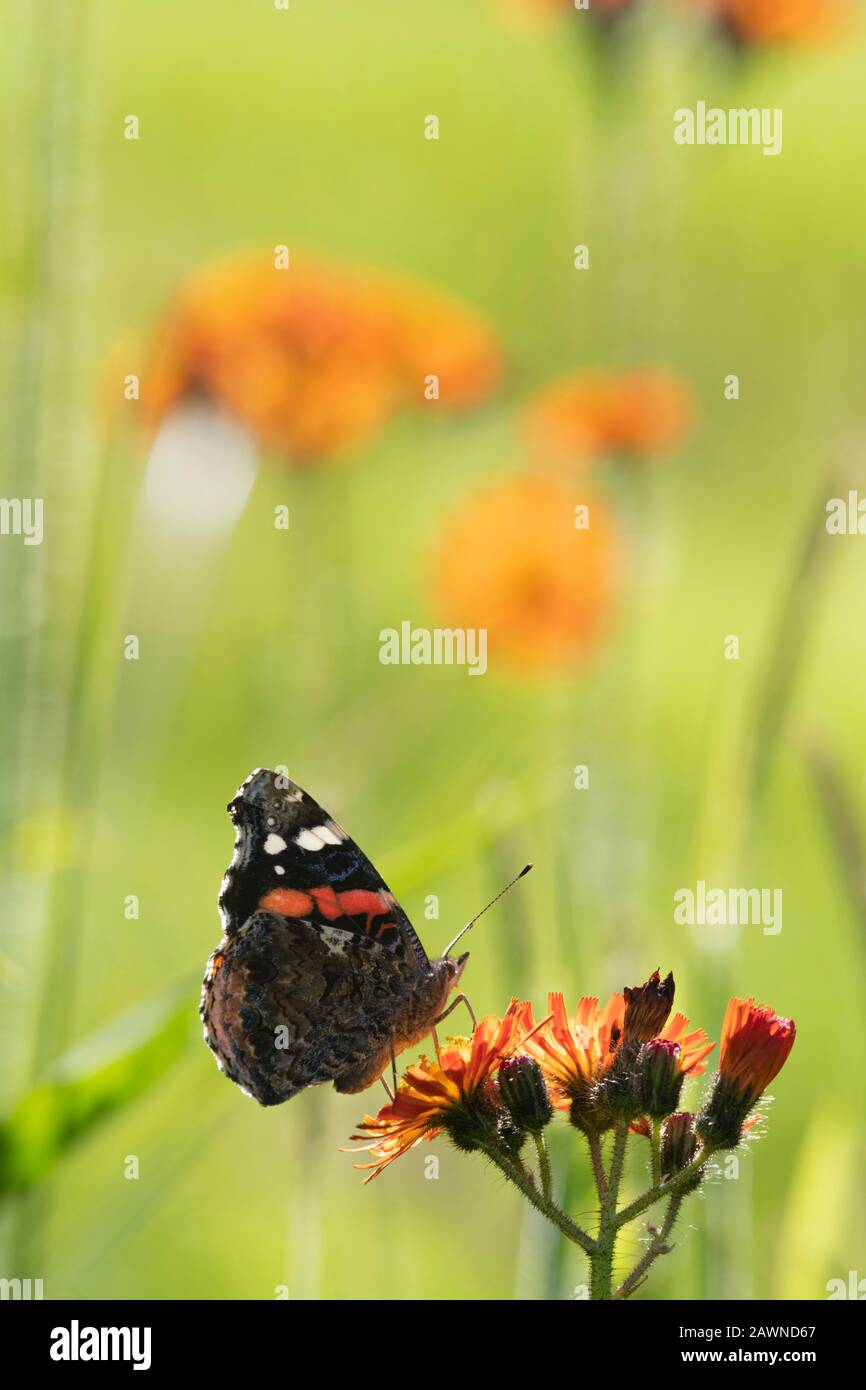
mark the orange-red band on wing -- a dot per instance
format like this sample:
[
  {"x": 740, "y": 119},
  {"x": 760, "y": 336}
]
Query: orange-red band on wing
[
  {"x": 288, "y": 902},
  {"x": 355, "y": 902}
]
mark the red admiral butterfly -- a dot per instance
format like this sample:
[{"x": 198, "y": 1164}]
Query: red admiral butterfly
[{"x": 320, "y": 975}]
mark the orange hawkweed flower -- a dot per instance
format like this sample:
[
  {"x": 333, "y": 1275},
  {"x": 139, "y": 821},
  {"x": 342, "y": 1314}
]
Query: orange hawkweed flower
[
  {"x": 448, "y": 1093},
  {"x": 756, "y": 1043},
  {"x": 781, "y": 21},
  {"x": 316, "y": 357},
  {"x": 575, "y": 1052},
  {"x": 590, "y": 414},
  {"x": 755, "y": 1046},
  {"x": 514, "y": 562}
]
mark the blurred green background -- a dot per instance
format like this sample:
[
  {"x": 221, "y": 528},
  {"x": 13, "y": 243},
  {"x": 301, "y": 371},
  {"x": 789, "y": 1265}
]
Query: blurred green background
[{"x": 261, "y": 127}]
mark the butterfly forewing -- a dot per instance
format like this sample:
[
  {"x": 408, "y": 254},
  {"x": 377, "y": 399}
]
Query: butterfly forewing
[{"x": 292, "y": 858}]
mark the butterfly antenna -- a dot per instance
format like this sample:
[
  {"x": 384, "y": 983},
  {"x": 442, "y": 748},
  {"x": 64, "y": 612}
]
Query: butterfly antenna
[{"x": 464, "y": 930}]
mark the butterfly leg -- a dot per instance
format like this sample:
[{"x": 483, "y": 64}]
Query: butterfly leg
[
  {"x": 388, "y": 1092},
  {"x": 393, "y": 1064},
  {"x": 461, "y": 999}
]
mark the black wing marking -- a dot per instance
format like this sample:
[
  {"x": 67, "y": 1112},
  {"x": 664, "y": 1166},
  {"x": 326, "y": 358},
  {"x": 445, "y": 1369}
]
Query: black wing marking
[{"x": 293, "y": 858}]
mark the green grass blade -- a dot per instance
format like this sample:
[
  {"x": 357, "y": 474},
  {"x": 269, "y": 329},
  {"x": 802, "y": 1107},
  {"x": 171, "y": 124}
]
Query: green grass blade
[{"x": 91, "y": 1082}]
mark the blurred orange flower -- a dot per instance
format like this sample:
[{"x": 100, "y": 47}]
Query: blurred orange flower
[
  {"x": 514, "y": 562},
  {"x": 436, "y": 1094},
  {"x": 316, "y": 357},
  {"x": 592, "y": 413},
  {"x": 781, "y": 21}
]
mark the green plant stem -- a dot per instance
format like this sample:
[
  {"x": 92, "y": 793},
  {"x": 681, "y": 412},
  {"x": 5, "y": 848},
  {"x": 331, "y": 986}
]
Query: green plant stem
[
  {"x": 544, "y": 1165},
  {"x": 658, "y": 1246},
  {"x": 597, "y": 1165},
  {"x": 656, "y": 1151},
  {"x": 602, "y": 1248},
  {"x": 670, "y": 1188},
  {"x": 601, "y": 1259},
  {"x": 523, "y": 1181}
]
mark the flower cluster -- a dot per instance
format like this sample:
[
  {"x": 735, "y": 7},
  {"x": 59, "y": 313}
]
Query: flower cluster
[
  {"x": 315, "y": 358},
  {"x": 627, "y": 1061},
  {"x": 614, "y": 1071}
]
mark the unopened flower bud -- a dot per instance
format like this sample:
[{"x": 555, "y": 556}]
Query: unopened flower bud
[
  {"x": 658, "y": 1077},
  {"x": 523, "y": 1089},
  {"x": 679, "y": 1143}
]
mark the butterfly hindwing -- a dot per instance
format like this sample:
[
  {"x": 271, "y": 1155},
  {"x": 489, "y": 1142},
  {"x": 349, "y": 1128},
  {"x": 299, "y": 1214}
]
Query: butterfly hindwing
[{"x": 287, "y": 1005}]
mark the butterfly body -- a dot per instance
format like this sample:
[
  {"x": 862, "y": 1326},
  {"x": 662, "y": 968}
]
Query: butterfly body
[{"x": 320, "y": 975}]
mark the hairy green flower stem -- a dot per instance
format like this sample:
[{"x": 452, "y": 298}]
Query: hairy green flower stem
[
  {"x": 544, "y": 1165},
  {"x": 657, "y": 1247},
  {"x": 597, "y": 1165},
  {"x": 656, "y": 1150},
  {"x": 524, "y": 1180},
  {"x": 601, "y": 1248}
]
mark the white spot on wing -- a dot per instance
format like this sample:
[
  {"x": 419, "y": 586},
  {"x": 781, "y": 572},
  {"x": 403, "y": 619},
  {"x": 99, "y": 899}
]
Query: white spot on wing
[
  {"x": 309, "y": 839},
  {"x": 275, "y": 844},
  {"x": 330, "y": 833}
]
